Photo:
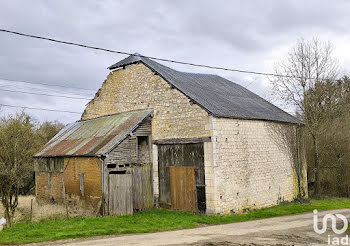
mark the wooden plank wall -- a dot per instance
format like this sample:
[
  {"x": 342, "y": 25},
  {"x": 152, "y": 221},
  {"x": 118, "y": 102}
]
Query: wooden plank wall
[
  {"x": 120, "y": 194},
  {"x": 142, "y": 187},
  {"x": 126, "y": 153},
  {"x": 181, "y": 155}
]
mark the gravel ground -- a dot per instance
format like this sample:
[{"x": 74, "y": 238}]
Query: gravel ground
[{"x": 286, "y": 230}]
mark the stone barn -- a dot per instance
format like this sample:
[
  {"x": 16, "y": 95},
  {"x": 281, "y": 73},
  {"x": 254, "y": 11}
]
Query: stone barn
[{"x": 210, "y": 143}]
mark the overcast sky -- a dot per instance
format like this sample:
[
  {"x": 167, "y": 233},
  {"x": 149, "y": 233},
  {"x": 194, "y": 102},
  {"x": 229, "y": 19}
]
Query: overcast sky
[{"x": 248, "y": 35}]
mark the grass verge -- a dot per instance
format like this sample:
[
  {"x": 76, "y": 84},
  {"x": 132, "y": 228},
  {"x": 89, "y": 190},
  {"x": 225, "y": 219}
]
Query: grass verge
[{"x": 148, "y": 221}]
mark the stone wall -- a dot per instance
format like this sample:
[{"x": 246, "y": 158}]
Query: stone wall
[
  {"x": 137, "y": 87},
  {"x": 249, "y": 169}
]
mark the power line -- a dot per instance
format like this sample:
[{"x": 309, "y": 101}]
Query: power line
[
  {"x": 39, "y": 83},
  {"x": 4, "y": 84},
  {"x": 85, "y": 98},
  {"x": 47, "y": 109},
  {"x": 78, "y": 98},
  {"x": 150, "y": 57},
  {"x": 44, "y": 94},
  {"x": 44, "y": 109}
]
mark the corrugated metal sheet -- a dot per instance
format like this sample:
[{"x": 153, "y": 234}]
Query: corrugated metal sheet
[
  {"x": 217, "y": 95},
  {"x": 93, "y": 137}
]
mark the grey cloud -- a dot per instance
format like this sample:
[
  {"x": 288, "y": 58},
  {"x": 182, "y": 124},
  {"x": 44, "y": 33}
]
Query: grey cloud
[{"x": 238, "y": 34}]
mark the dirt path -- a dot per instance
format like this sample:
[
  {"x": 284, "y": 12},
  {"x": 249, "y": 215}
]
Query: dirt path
[{"x": 286, "y": 230}]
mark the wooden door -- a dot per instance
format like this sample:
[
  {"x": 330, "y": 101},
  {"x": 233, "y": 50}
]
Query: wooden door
[
  {"x": 183, "y": 189},
  {"x": 181, "y": 155},
  {"x": 142, "y": 187},
  {"x": 120, "y": 196}
]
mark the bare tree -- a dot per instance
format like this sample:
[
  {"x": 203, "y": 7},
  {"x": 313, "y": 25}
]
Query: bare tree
[
  {"x": 307, "y": 64},
  {"x": 17, "y": 146}
]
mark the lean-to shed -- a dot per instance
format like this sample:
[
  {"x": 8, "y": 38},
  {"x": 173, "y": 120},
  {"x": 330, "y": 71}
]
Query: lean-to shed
[{"x": 104, "y": 162}]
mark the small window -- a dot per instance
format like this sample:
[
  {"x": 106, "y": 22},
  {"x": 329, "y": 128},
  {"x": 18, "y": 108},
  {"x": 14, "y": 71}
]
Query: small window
[
  {"x": 82, "y": 184},
  {"x": 118, "y": 172},
  {"x": 111, "y": 165},
  {"x": 143, "y": 150}
]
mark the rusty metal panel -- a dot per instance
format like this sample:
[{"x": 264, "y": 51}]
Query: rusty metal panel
[
  {"x": 182, "y": 189},
  {"x": 93, "y": 137}
]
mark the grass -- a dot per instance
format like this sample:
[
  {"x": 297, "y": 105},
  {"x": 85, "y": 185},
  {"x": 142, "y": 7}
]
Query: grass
[
  {"x": 44, "y": 211},
  {"x": 148, "y": 221}
]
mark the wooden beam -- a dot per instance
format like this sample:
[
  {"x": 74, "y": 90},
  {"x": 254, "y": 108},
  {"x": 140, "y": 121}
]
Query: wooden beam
[{"x": 181, "y": 140}]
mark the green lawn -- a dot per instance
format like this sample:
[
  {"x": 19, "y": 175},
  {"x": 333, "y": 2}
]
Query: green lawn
[{"x": 149, "y": 221}]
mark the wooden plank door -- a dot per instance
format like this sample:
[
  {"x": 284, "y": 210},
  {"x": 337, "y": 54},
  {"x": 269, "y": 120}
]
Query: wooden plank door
[
  {"x": 181, "y": 155},
  {"x": 120, "y": 197},
  {"x": 182, "y": 189},
  {"x": 142, "y": 187}
]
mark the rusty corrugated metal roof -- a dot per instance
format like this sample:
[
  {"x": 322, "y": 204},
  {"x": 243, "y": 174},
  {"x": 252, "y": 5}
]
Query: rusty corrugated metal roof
[{"x": 93, "y": 137}]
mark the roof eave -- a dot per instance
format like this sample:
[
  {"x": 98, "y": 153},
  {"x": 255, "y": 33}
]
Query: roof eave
[
  {"x": 62, "y": 156},
  {"x": 262, "y": 119}
]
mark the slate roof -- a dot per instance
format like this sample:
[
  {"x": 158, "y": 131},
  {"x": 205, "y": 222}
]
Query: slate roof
[
  {"x": 218, "y": 96},
  {"x": 93, "y": 137}
]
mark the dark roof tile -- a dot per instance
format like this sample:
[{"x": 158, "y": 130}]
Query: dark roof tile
[{"x": 217, "y": 95}]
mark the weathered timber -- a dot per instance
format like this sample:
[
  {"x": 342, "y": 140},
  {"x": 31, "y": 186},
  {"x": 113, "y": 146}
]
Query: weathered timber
[
  {"x": 182, "y": 186},
  {"x": 181, "y": 155},
  {"x": 53, "y": 165},
  {"x": 142, "y": 187},
  {"x": 120, "y": 194}
]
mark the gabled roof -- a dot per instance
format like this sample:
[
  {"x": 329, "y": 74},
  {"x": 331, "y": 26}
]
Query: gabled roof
[
  {"x": 218, "y": 96},
  {"x": 94, "y": 137}
]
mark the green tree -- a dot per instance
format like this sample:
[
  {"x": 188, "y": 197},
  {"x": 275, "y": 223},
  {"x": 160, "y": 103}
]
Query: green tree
[
  {"x": 47, "y": 130},
  {"x": 20, "y": 139},
  {"x": 16, "y": 163}
]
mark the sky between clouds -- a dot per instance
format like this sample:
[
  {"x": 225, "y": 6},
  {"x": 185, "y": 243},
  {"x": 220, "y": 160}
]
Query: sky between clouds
[{"x": 248, "y": 35}]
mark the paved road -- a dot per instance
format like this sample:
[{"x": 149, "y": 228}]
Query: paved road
[{"x": 286, "y": 230}]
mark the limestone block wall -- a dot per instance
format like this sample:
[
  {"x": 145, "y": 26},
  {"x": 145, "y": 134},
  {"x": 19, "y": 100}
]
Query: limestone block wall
[
  {"x": 137, "y": 87},
  {"x": 249, "y": 169}
]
